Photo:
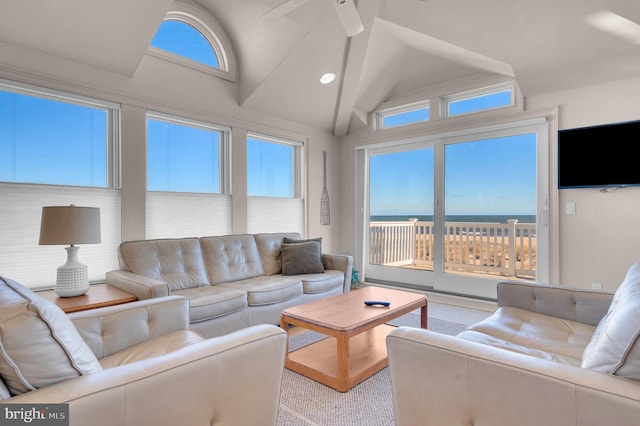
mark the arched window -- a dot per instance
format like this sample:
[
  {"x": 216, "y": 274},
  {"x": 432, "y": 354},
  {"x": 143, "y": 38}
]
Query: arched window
[
  {"x": 182, "y": 39},
  {"x": 191, "y": 37}
]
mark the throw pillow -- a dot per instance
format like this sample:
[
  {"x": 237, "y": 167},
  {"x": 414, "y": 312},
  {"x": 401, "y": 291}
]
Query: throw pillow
[
  {"x": 288, "y": 240},
  {"x": 615, "y": 345},
  {"x": 39, "y": 345},
  {"x": 301, "y": 258}
]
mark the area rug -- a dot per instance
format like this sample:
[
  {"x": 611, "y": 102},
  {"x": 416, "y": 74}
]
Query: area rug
[{"x": 304, "y": 402}]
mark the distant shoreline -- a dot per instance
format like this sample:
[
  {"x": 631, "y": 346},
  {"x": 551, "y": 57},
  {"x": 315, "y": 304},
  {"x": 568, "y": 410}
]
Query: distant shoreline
[{"x": 457, "y": 218}]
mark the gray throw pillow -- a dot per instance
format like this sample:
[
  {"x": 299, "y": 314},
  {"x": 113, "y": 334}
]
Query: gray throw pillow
[{"x": 301, "y": 258}]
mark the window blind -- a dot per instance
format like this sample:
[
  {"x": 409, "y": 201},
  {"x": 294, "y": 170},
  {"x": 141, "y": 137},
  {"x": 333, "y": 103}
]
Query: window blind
[
  {"x": 271, "y": 214},
  {"x": 179, "y": 215},
  {"x": 33, "y": 265}
]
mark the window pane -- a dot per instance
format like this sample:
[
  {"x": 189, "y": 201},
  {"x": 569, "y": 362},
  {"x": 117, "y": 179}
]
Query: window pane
[
  {"x": 182, "y": 158},
  {"x": 52, "y": 142},
  {"x": 480, "y": 103},
  {"x": 184, "y": 40},
  {"x": 406, "y": 117},
  {"x": 269, "y": 169},
  {"x": 488, "y": 183},
  {"x": 401, "y": 189}
]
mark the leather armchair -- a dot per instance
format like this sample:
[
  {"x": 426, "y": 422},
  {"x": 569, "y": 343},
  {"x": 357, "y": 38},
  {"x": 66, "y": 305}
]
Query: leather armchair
[{"x": 155, "y": 371}]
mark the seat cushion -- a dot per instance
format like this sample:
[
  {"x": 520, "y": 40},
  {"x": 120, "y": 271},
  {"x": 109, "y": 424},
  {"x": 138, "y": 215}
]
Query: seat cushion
[
  {"x": 615, "y": 346},
  {"x": 157, "y": 346},
  {"x": 39, "y": 345},
  {"x": 534, "y": 334},
  {"x": 320, "y": 283},
  {"x": 178, "y": 262},
  {"x": 212, "y": 301},
  {"x": 266, "y": 290}
]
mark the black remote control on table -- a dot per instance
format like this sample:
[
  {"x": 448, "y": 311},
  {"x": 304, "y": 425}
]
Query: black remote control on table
[{"x": 376, "y": 303}]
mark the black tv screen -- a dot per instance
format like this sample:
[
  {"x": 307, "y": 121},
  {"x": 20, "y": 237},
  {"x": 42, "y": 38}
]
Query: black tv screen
[{"x": 599, "y": 156}]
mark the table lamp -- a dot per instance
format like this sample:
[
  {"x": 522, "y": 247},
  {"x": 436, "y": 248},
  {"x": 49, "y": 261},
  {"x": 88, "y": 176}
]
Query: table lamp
[{"x": 70, "y": 225}]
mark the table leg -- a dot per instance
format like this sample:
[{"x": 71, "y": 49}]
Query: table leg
[
  {"x": 423, "y": 316},
  {"x": 285, "y": 326},
  {"x": 342, "y": 379}
]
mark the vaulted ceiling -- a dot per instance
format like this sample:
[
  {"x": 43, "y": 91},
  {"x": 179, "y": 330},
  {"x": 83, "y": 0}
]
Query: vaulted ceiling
[{"x": 406, "y": 46}]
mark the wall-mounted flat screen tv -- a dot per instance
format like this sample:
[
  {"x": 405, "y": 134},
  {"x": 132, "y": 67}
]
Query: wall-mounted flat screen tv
[{"x": 599, "y": 156}]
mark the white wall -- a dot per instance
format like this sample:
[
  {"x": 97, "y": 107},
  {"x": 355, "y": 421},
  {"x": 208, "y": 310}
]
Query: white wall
[
  {"x": 166, "y": 87},
  {"x": 599, "y": 242}
]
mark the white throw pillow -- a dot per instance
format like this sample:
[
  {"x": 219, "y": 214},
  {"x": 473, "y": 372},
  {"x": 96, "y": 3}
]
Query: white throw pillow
[
  {"x": 615, "y": 345},
  {"x": 39, "y": 345}
]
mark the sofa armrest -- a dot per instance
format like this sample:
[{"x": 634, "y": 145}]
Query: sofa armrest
[
  {"x": 581, "y": 305},
  {"x": 112, "y": 329},
  {"x": 340, "y": 262},
  {"x": 444, "y": 380},
  {"x": 229, "y": 380},
  {"x": 142, "y": 287}
]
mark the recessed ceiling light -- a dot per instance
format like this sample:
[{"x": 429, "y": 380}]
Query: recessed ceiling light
[{"x": 327, "y": 78}]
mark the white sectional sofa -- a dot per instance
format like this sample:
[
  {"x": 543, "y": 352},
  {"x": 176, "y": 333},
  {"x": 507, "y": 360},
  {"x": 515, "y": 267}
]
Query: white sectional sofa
[
  {"x": 549, "y": 356},
  {"x": 232, "y": 281}
]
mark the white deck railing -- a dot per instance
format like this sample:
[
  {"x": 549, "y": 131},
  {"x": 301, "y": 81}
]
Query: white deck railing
[{"x": 494, "y": 248}]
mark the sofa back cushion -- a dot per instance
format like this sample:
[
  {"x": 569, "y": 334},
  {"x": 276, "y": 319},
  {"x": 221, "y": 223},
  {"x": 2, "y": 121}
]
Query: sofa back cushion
[
  {"x": 178, "y": 262},
  {"x": 231, "y": 258},
  {"x": 39, "y": 345},
  {"x": 615, "y": 345},
  {"x": 269, "y": 248}
]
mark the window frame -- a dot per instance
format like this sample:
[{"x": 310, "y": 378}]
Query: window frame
[
  {"x": 212, "y": 31},
  {"x": 381, "y": 114},
  {"x": 296, "y": 169},
  {"x": 477, "y": 93},
  {"x": 224, "y": 148},
  {"x": 112, "y": 110}
]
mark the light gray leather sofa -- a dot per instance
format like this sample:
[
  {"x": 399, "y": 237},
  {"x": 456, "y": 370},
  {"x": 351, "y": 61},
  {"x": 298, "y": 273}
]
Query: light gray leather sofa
[
  {"x": 135, "y": 364},
  {"x": 548, "y": 356},
  {"x": 232, "y": 281}
]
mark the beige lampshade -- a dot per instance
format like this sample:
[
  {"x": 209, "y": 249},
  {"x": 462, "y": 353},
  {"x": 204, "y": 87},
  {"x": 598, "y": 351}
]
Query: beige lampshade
[{"x": 63, "y": 225}]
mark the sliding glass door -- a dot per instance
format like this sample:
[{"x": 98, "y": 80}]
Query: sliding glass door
[{"x": 457, "y": 212}]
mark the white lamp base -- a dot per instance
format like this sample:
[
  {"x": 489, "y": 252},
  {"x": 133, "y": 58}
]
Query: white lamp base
[{"x": 73, "y": 278}]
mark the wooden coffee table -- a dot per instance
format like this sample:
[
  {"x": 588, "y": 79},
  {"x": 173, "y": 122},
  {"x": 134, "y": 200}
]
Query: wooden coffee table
[{"x": 356, "y": 347}]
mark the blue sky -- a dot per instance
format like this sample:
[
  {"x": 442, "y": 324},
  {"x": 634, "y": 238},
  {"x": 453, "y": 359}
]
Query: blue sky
[{"x": 486, "y": 177}]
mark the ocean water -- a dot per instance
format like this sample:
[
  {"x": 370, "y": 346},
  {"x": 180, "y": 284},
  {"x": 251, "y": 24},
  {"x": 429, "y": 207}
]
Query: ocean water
[{"x": 457, "y": 218}]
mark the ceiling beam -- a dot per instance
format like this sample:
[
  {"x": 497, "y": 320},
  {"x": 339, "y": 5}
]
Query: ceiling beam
[{"x": 355, "y": 54}]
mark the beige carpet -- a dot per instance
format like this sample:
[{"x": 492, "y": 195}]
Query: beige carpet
[{"x": 304, "y": 402}]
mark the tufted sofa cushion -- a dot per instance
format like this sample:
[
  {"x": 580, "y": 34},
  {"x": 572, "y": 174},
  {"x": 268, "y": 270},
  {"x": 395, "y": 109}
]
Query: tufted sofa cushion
[
  {"x": 231, "y": 258},
  {"x": 615, "y": 345},
  {"x": 178, "y": 262},
  {"x": 269, "y": 248},
  {"x": 39, "y": 345}
]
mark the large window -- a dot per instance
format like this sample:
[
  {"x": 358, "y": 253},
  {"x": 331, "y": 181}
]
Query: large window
[
  {"x": 55, "y": 149},
  {"x": 183, "y": 157},
  {"x": 187, "y": 178},
  {"x": 45, "y": 139},
  {"x": 457, "y": 211},
  {"x": 270, "y": 168},
  {"x": 274, "y": 185}
]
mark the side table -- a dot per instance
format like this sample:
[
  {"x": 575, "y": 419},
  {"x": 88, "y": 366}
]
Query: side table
[{"x": 98, "y": 296}]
